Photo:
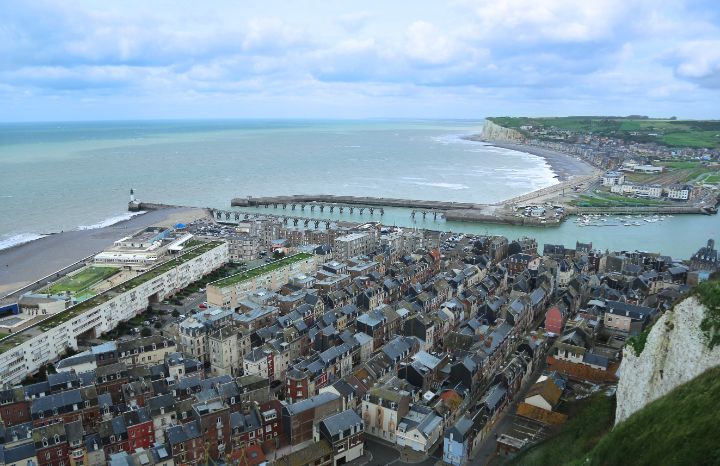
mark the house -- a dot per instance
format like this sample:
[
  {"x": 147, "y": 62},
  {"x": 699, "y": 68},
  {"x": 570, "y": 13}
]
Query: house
[
  {"x": 463, "y": 436},
  {"x": 627, "y": 318},
  {"x": 544, "y": 394},
  {"x": 555, "y": 320},
  {"x": 300, "y": 418},
  {"x": 383, "y": 406},
  {"x": 419, "y": 429},
  {"x": 344, "y": 431}
]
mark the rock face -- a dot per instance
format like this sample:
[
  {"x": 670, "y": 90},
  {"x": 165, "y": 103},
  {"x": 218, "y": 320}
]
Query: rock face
[
  {"x": 493, "y": 132},
  {"x": 675, "y": 353}
]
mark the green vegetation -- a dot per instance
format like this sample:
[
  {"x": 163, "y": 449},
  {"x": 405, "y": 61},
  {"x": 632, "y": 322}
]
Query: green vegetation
[
  {"x": 594, "y": 418},
  {"x": 82, "y": 280},
  {"x": 637, "y": 342},
  {"x": 12, "y": 341},
  {"x": 671, "y": 133},
  {"x": 708, "y": 293},
  {"x": 262, "y": 270},
  {"x": 678, "y": 429},
  {"x": 611, "y": 200}
]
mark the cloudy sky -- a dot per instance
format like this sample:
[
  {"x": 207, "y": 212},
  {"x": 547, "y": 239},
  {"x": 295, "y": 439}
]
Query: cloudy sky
[{"x": 87, "y": 60}]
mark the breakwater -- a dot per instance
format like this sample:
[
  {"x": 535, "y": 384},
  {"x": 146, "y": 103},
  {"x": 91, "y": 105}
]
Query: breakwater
[{"x": 329, "y": 199}]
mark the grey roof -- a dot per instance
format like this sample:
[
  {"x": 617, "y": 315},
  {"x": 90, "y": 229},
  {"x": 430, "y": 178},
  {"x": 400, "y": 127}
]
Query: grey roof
[
  {"x": 18, "y": 453},
  {"x": 82, "y": 358},
  {"x": 460, "y": 429},
  {"x": 183, "y": 432},
  {"x": 494, "y": 396},
  {"x": 629, "y": 310},
  {"x": 341, "y": 422},
  {"x": 58, "y": 400},
  {"x": 311, "y": 403},
  {"x": 596, "y": 360},
  {"x": 74, "y": 431}
]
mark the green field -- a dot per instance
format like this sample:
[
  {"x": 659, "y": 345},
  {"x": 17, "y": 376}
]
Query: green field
[
  {"x": 611, "y": 200},
  {"x": 262, "y": 270},
  {"x": 82, "y": 280},
  {"x": 671, "y": 133}
]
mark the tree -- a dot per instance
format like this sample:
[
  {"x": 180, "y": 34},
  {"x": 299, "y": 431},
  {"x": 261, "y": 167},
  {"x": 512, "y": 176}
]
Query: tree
[
  {"x": 175, "y": 313},
  {"x": 278, "y": 254},
  {"x": 157, "y": 325},
  {"x": 146, "y": 332}
]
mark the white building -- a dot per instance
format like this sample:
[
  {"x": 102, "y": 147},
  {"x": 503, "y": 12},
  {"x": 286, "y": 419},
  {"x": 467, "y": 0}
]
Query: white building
[
  {"x": 226, "y": 348},
  {"x": 420, "y": 429},
  {"x": 679, "y": 192},
  {"x": 354, "y": 244},
  {"x": 23, "y": 353},
  {"x": 613, "y": 178},
  {"x": 227, "y": 292}
]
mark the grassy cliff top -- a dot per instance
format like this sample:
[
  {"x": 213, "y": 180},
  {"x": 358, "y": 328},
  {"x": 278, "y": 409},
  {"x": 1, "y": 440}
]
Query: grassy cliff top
[
  {"x": 671, "y": 133},
  {"x": 680, "y": 428}
]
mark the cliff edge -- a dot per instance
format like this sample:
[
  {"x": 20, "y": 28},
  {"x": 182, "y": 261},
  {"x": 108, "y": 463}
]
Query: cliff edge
[
  {"x": 676, "y": 351},
  {"x": 495, "y": 132}
]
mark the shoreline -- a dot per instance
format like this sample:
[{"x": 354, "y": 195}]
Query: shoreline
[
  {"x": 23, "y": 264},
  {"x": 565, "y": 166}
]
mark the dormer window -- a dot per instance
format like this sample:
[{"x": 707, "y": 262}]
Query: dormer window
[
  {"x": 57, "y": 438},
  {"x": 45, "y": 442}
]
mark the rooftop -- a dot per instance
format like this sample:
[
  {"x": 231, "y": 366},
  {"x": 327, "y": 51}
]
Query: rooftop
[{"x": 262, "y": 270}]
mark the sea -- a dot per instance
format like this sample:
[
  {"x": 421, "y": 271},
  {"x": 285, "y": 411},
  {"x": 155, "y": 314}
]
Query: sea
[{"x": 63, "y": 176}]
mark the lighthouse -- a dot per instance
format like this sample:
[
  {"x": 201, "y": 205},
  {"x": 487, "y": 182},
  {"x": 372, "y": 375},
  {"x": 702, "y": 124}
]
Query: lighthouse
[{"x": 133, "y": 205}]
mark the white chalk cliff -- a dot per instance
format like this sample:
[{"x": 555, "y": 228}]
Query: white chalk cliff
[
  {"x": 493, "y": 132},
  {"x": 675, "y": 352}
]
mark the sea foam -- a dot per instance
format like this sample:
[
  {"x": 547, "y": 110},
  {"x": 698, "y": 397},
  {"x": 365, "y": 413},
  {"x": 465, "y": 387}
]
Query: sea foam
[
  {"x": 19, "y": 239},
  {"x": 110, "y": 221}
]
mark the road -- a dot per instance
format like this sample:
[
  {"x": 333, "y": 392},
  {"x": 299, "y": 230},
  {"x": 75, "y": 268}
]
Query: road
[{"x": 485, "y": 454}]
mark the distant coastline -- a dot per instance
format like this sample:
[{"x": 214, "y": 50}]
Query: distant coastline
[{"x": 563, "y": 165}]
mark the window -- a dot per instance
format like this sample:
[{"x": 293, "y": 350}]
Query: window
[{"x": 45, "y": 442}]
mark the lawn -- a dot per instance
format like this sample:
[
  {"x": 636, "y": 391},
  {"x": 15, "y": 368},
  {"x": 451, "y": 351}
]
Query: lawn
[
  {"x": 610, "y": 200},
  {"x": 83, "y": 279},
  {"x": 262, "y": 270}
]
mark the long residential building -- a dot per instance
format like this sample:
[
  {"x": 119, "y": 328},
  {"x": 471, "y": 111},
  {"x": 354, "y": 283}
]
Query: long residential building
[
  {"x": 23, "y": 353},
  {"x": 228, "y": 292}
]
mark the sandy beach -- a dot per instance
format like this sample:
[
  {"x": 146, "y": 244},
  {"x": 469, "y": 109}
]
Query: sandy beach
[
  {"x": 25, "y": 263},
  {"x": 564, "y": 165}
]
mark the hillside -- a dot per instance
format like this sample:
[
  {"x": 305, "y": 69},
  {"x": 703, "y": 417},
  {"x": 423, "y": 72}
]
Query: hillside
[
  {"x": 671, "y": 133},
  {"x": 680, "y": 428}
]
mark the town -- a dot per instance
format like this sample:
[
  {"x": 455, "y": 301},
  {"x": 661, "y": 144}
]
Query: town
[{"x": 252, "y": 343}]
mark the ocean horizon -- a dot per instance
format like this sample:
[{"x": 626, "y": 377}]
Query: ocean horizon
[
  {"x": 60, "y": 176},
  {"x": 71, "y": 176}
]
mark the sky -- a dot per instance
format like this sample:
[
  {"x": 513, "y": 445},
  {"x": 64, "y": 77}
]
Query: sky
[{"x": 115, "y": 60}]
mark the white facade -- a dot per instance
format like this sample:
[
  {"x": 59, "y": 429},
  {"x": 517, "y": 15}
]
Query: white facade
[
  {"x": 354, "y": 244},
  {"x": 681, "y": 193},
  {"x": 226, "y": 294},
  {"x": 613, "y": 178},
  {"x": 25, "y": 352}
]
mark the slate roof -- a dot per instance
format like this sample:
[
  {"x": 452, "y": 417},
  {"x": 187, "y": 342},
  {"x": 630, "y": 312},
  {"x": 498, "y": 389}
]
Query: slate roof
[
  {"x": 311, "y": 403},
  {"x": 341, "y": 422}
]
